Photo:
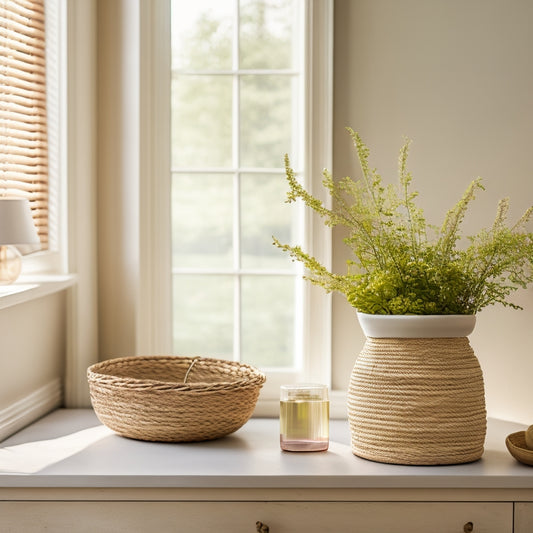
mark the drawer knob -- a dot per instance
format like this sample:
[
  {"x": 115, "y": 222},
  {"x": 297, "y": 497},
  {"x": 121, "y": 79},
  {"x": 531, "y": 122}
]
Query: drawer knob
[
  {"x": 261, "y": 528},
  {"x": 468, "y": 527}
]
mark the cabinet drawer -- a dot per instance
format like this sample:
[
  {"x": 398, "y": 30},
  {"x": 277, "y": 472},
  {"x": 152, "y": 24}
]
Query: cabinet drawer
[
  {"x": 241, "y": 517},
  {"x": 523, "y": 517}
]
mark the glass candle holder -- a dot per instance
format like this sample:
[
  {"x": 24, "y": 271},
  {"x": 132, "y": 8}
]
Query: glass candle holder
[{"x": 304, "y": 417}]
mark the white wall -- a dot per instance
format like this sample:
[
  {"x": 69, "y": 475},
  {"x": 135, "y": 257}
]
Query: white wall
[
  {"x": 457, "y": 78},
  {"x": 134, "y": 256},
  {"x": 32, "y": 353}
]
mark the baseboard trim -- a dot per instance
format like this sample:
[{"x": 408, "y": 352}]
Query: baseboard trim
[{"x": 25, "y": 411}]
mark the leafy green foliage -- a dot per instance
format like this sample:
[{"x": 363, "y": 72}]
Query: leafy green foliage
[{"x": 400, "y": 264}]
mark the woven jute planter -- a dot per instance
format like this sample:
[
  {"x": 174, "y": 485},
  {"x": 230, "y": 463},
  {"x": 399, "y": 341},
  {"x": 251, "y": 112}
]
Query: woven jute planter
[
  {"x": 172, "y": 398},
  {"x": 416, "y": 393}
]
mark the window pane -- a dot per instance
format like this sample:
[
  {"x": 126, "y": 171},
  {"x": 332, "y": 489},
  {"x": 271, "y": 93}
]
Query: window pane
[
  {"x": 201, "y": 121},
  {"x": 203, "y": 315},
  {"x": 202, "y": 220},
  {"x": 232, "y": 297},
  {"x": 266, "y": 120},
  {"x": 268, "y": 31},
  {"x": 264, "y": 214},
  {"x": 201, "y": 34},
  {"x": 268, "y": 330}
]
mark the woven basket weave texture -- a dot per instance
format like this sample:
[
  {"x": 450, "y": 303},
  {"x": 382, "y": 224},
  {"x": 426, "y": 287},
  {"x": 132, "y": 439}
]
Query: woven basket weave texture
[
  {"x": 417, "y": 401},
  {"x": 173, "y": 398}
]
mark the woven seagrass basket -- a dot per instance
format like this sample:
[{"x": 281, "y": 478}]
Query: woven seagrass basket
[{"x": 173, "y": 398}]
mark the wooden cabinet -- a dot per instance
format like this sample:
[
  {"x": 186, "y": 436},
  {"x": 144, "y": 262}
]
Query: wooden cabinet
[
  {"x": 241, "y": 517},
  {"x": 68, "y": 474}
]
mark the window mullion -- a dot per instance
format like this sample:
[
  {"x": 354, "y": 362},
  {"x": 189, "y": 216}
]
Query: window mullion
[
  {"x": 225, "y": 170},
  {"x": 237, "y": 267},
  {"x": 253, "y": 72},
  {"x": 237, "y": 321}
]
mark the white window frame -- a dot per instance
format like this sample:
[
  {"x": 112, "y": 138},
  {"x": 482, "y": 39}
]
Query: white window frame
[
  {"x": 76, "y": 253},
  {"x": 319, "y": 141},
  {"x": 71, "y": 101},
  {"x": 155, "y": 313}
]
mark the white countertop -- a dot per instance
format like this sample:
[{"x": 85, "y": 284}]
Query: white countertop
[{"x": 71, "y": 448}]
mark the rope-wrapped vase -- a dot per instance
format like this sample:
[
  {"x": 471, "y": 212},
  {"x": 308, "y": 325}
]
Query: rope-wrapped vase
[
  {"x": 417, "y": 400},
  {"x": 173, "y": 398}
]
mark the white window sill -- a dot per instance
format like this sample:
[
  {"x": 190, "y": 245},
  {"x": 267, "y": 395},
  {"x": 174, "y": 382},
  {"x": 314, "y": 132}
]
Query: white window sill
[{"x": 28, "y": 288}]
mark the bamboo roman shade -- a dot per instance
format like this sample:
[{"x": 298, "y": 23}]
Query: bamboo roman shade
[{"x": 23, "y": 137}]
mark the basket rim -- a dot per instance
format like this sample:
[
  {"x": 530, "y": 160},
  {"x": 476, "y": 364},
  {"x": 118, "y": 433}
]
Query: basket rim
[{"x": 254, "y": 379}]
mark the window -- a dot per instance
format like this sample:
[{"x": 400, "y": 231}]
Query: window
[
  {"x": 136, "y": 184},
  {"x": 242, "y": 96},
  {"x": 32, "y": 110},
  {"x": 23, "y": 133}
]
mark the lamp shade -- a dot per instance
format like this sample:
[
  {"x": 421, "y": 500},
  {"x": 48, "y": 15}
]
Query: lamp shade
[{"x": 16, "y": 222}]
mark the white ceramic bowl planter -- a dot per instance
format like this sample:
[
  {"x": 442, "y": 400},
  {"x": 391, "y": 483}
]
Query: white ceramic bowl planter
[{"x": 416, "y": 393}]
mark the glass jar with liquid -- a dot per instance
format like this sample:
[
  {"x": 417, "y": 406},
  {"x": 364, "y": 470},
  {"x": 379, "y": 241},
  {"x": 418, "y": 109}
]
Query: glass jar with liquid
[{"x": 304, "y": 417}]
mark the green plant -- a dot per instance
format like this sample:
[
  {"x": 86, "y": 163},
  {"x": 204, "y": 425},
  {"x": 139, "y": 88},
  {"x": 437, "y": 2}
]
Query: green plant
[{"x": 401, "y": 264}]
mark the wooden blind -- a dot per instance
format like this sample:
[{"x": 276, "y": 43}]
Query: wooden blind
[{"x": 23, "y": 137}]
